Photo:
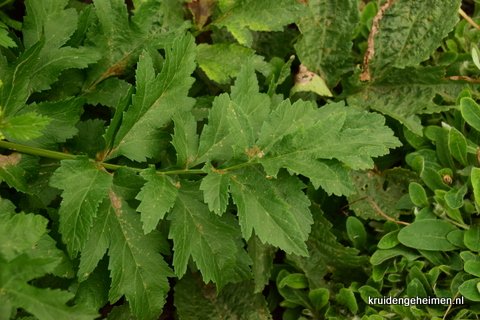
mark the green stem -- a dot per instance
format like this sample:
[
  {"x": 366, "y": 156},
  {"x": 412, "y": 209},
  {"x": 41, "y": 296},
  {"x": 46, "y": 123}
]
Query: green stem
[
  {"x": 37, "y": 151},
  {"x": 65, "y": 156},
  {"x": 4, "y": 3}
]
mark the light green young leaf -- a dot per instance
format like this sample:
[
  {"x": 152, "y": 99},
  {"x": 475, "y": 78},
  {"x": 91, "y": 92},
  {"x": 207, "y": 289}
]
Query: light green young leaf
[
  {"x": 276, "y": 209},
  {"x": 63, "y": 116},
  {"x": 215, "y": 188},
  {"x": 158, "y": 196},
  {"x": 24, "y": 127},
  {"x": 84, "y": 187},
  {"x": 137, "y": 269},
  {"x": 327, "y": 30},
  {"x": 268, "y": 15},
  {"x": 156, "y": 100},
  {"x": 222, "y": 61},
  {"x": 5, "y": 40},
  {"x": 345, "y": 134},
  {"x": 185, "y": 138},
  {"x": 199, "y": 233},
  {"x": 412, "y": 39}
]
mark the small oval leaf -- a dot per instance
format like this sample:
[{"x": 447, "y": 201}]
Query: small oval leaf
[
  {"x": 427, "y": 235},
  {"x": 470, "y": 112}
]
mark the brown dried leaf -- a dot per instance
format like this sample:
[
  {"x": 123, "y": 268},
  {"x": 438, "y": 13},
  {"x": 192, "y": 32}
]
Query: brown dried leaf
[
  {"x": 12, "y": 159},
  {"x": 201, "y": 10}
]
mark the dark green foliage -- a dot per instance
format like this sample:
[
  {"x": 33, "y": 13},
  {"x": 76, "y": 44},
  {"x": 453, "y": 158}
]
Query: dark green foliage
[{"x": 192, "y": 159}]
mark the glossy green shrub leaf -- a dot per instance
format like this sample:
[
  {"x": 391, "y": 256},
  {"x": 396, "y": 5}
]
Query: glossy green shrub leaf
[
  {"x": 472, "y": 267},
  {"x": 476, "y": 184},
  {"x": 427, "y": 235},
  {"x": 454, "y": 197},
  {"x": 356, "y": 232},
  {"x": 418, "y": 194},
  {"x": 295, "y": 281},
  {"x": 469, "y": 289},
  {"x": 470, "y": 112},
  {"x": 472, "y": 238},
  {"x": 382, "y": 255},
  {"x": 458, "y": 146},
  {"x": 319, "y": 298},
  {"x": 389, "y": 240},
  {"x": 347, "y": 298}
]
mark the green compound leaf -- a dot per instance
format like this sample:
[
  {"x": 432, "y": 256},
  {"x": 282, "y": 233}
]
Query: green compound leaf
[
  {"x": 158, "y": 196},
  {"x": 120, "y": 39},
  {"x": 427, "y": 235},
  {"x": 49, "y": 19},
  {"x": 84, "y": 187},
  {"x": 268, "y": 15},
  {"x": 327, "y": 30},
  {"x": 30, "y": 262},
  {"x": 215, "y": 187},
  {"x": 285, "y": 119},
  {"x": 18, "y": 232},
  {"x": 5, "y": 40},
  {"x": 137, "y": 269},
  {"x": 216, "y": 141},
  {"x": 199, "y": 233},
  {"x": 337, "y": 132},
  {"x": 156, "y": 100},
  {"x": 185, "y": 138},
  {"x": 408, "y": 41},
  {"x": 17, "y": 168},
  {"x": 63, "y": 115},
  {"x": 262, "y": 255},
  {"x": 16, "y": 78},
  {"x": 222, "y": 61},
  {"x": 276, "y": 209}
]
